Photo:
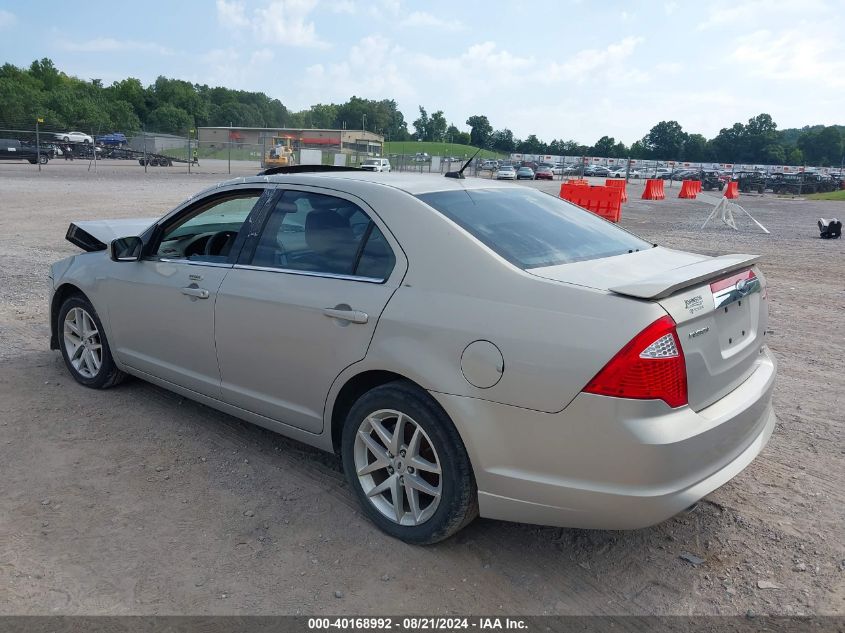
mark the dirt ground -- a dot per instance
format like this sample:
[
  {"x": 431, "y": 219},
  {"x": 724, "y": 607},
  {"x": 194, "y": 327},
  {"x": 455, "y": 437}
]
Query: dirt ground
[{"x": 136, "y": 501}]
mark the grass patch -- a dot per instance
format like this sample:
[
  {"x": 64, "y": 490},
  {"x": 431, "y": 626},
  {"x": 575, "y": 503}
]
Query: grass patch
[
  {"x": 410, "y": 148},
  {"x": 829, "y": 195}
]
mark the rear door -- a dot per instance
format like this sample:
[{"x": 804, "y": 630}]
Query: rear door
[{"x": 302, "y": 304}]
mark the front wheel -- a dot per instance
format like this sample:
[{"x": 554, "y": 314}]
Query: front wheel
[
  {"x": 84, "y": 346},
  {"x": 407, "y": 464}
]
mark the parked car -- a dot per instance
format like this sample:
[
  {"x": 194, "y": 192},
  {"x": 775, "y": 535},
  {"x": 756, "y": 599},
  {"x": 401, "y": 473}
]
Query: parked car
[
  {"x": 115, "y": 139},
  {"x": 74, "y": 137},
  {"x": 596, "y": 170},
  {"x": 572, "y": 374},
  {"x": 13, "y": 149},
  {"x": 506, "y": 172},
  {"x": 376, "y": 164},
  {"x": 544, "y": 173},
  {"x": 489, "y": 165},
  {"x": 421, "y": 157},
  {"x": 618, "y": 172},
  {"x": 525, "y": 173}
]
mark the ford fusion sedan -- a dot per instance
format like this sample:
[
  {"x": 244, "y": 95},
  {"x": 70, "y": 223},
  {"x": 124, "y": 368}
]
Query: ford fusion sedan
[{"x": 468, "y": 347}]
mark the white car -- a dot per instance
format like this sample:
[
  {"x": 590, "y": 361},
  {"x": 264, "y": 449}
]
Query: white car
[
  {"x": 74, "y": 137},
  {"x": 507, "y": 172},
  {"x": 376, "y": 164},
  {"x": 618, "y": 172}
]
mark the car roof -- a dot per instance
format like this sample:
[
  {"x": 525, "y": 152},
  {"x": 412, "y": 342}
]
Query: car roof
[{"x": 414, "y": 184}]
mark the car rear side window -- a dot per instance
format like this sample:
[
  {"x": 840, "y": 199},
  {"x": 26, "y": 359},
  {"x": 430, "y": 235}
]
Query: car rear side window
[
  {"x": 316, "y": 233},
  {"x": 531, "y": 229}
]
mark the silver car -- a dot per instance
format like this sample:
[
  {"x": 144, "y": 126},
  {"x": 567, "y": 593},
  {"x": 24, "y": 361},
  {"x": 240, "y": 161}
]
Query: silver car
[{"x": 468, "y": 347}]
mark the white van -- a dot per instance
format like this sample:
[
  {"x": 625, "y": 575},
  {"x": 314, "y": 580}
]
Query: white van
[{"x": 376, "y": 164}]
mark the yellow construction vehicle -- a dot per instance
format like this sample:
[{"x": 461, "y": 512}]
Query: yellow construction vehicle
[{"x": 279, "y": 153}]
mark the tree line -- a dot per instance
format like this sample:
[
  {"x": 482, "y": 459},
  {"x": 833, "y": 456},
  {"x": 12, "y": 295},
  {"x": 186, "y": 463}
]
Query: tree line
[{"x": 175, "y": 106}]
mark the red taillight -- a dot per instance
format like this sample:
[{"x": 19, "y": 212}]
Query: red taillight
[{"x": 650, "y": 367}]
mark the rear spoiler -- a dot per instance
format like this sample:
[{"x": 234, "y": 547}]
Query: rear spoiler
[{"x": 669, "y": 282}]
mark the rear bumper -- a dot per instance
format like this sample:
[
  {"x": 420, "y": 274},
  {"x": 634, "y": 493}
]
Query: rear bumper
[{"x": 608, "y": 463}]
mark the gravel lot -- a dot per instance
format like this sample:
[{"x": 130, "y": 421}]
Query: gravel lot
[{"x": 136, "y": 501}]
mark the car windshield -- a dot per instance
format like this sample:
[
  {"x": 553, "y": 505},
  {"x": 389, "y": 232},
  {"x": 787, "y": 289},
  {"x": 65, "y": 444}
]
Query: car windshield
[
  {"x": 371, "y": 162},
  {"x": 531, "y": 229}
]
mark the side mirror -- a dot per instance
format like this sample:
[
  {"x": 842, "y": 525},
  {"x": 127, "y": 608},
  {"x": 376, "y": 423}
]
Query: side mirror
[{"x": 126, "y": 249}]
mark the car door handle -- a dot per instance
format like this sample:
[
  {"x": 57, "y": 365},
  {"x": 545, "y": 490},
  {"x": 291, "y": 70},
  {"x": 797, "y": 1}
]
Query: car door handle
[
  {"x": 353, "y": 316},
  {"x": 199, "y": 293}
]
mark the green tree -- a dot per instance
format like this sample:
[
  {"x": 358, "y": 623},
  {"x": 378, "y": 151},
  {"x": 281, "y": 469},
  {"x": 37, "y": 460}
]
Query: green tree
[
  {"x": 696, "y": 149},
  {"x": 665, "y": 140},
  {"x": 436, "y": 126},
  {"x": 480, "y": 130},
  {"x": 603, "y": 147},
  {"x": 503, "y": 141},
  {"x": 170, "y": 120},
  {"x": 421, "y": 125}
]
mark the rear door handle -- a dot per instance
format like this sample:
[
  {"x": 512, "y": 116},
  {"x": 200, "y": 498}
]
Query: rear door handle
[
  {"x": 199, "y": 293},
  {"x": 353, "y": 316}
]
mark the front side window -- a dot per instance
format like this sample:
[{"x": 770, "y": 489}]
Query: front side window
[
  {"x": 208, "y": 232},
  {"x": 322, "y": 234},
  {"x": 531, "y": 229}
]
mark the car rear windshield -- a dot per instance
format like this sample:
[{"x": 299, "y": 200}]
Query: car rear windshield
[{"x": 531, "y": 229}]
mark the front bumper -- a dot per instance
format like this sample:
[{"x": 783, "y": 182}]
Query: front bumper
[{"x": 610, "y": 463}]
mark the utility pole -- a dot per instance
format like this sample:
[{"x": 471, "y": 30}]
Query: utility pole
[
  {"x": 38, "y": 142},
  {"x": 230, "y": 147}
]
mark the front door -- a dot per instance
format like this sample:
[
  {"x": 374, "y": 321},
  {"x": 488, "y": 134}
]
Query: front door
[
  {"x": 161, "y": 308},
  {"x": 302, "y": 306}
]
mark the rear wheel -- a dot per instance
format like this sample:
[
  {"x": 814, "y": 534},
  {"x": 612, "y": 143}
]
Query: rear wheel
[
  {"x": 407, "y": 464},
  {"x": 84, "y": 346}
]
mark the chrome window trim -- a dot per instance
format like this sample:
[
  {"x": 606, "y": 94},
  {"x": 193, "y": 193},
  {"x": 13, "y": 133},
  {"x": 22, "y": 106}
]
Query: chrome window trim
[
  {"x": 189, "y": 263},
  {"x": 310, "y": 273}
]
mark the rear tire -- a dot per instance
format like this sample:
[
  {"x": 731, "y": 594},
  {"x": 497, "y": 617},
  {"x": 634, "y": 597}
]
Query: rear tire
[
  {"x": 84, "y": 346},
  {"x": 425, "y": 464}
]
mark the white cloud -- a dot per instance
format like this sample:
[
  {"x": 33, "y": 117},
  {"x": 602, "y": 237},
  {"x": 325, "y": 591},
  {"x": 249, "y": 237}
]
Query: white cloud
[
  {"x": 427, "y": 20},
  {"x": 592, "y": 63},
  {"x": 732, "y": 14},
  {"x": 111, "y": 45},
  {"x": 261, "y": 57},
  {"x": 232, "y": 14},
  {"x": 7, "y": 19},
  {"x": 670, "y": 7},
  {"x": 791, "y": 56},
  {"x": 354, "y": 75},
  {"x": 342, "y": 6},
  {"x": 278, "y": 22}
]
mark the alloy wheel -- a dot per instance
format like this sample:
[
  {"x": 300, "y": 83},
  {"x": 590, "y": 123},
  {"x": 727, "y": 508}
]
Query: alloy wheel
[
  {"x": 398, "y": 467},
  {"x": 83, "y": 344}
]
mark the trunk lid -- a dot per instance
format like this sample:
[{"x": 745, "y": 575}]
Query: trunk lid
[
  {"x": 95, "y": 235},
  {"x": 718, "y": 304}
]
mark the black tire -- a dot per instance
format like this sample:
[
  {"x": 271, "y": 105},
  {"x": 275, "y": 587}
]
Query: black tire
[
  {"x": 458, "y": 504},
  {"x": 66, "y": 139},
  {"x": 108, "y": 375},
  {"x": 43, "y": 159}
]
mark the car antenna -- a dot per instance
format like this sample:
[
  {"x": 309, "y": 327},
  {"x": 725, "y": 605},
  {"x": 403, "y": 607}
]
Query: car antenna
[{"x": 460, "y": 173}]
